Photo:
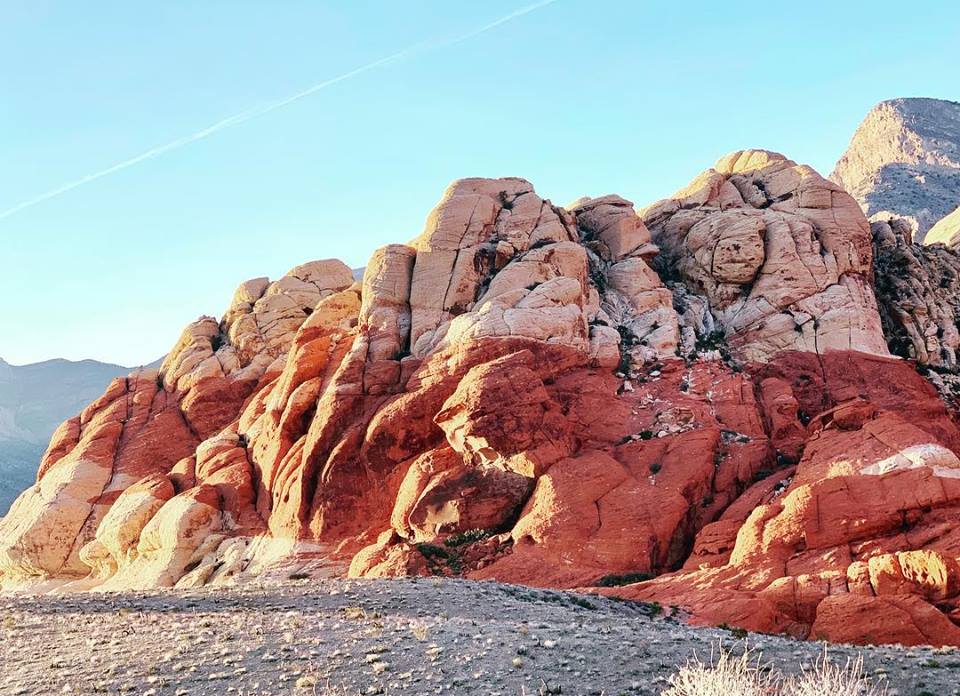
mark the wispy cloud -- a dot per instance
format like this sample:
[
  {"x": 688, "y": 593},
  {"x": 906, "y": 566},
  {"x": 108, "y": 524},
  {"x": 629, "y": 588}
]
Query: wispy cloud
[{"x": 254, "y": 112}]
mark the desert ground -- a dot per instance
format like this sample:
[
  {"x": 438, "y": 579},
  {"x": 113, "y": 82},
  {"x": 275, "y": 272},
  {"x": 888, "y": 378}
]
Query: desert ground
[{"x": 409, "y": 636}]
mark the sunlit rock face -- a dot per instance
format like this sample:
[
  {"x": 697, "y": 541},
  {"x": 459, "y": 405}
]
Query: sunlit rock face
[
  {"x": 781, "y": 255},
  {"x": 151, "y": 423},
  {"x": 904, "y": 162},
  {"x": 946, "y": 231},
  {"x": 517, "y": 394},
  {"x": 322, "y": 411},
  {"x": 857, "y": 543}
]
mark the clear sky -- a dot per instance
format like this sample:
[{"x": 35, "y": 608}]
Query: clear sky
[{"x": 582, "y": 97}]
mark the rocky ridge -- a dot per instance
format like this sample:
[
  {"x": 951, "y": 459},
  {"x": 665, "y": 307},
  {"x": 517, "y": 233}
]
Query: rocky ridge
[
  {"x": 588, "y": 397},
  {"x": 904, "y": 161}
]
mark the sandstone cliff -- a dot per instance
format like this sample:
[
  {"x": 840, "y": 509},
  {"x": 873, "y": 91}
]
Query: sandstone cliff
[
  {"x": 567, "y": 397},
  {"x": 904, "y": 161}
]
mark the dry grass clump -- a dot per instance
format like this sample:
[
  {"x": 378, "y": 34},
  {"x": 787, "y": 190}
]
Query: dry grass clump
[
  {"x": 419, "y": 629},
  {"x": 829, "y": 679},
  {"x": 727, "y": 674}
]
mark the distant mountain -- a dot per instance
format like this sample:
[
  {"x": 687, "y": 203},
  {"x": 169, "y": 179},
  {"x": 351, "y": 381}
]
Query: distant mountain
[
  {"x": 904, "y": 161},
  {"x": 34, "y": 400}
]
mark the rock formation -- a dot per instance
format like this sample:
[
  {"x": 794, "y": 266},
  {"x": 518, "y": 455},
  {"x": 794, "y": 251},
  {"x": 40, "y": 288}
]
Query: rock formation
[
  {"x": 34, "y": 400},
  {"x": 918, "y": 290},
  {"x": 856, "y": 544},
  {"x": 904, "y": 161},
  {"x": 781, "y": 255},
  {"x": 577, "y": 397}
]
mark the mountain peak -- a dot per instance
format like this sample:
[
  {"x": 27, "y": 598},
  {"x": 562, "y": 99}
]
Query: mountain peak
[
  {"x": 918, "y": 104},
  {"x": 904, "y": 161}
]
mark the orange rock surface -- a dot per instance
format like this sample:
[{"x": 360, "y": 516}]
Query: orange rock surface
[{"x": 532, "y": 394}]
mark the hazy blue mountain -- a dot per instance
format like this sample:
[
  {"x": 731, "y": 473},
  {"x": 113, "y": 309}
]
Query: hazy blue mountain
[{"x": 34, "y": 400}]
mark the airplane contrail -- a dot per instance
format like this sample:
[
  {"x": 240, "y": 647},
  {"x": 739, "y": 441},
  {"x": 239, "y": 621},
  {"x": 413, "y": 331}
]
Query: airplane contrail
[{"x": 254, "y": 112}]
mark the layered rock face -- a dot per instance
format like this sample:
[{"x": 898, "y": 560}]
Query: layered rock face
[
  {"x": 150, "y": 424},
  {"x": 34, "y": 400},
  {"x": 904, "y": 161},
  {"x": 561, "y": 397}
]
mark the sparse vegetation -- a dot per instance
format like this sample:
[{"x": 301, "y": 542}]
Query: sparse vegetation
[
  {"x": 432, "y": 551},
  {"x": 468, "y": 537},
  {"x": 834, "y": 680},
  {"x": 735, "y": 631},
  {"x": 727, "y": 674},
  {"x": 582, "y": 603},
  {"x": 347, "y": 637},
  {"x": 441, "y": 561},
  {"x": 615, "y": 580},
  {"x": 360, "y": 614},
  {"x": 419, "y": 629}
]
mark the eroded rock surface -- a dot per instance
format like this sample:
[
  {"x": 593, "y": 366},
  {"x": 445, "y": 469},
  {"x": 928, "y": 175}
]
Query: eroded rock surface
[
  {"x": 781, "y": 255},
  {"x": 860, "y": 529},
  {"x": 918, "y": 290},
  {"x": 518, "y": 394}
]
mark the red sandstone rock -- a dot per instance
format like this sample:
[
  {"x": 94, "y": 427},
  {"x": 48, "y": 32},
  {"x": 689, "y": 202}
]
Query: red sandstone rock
[
  {"x": 513, "y": 395},
  {"x": 870, "y": 620},
  {"x": 862, "y": 517}
]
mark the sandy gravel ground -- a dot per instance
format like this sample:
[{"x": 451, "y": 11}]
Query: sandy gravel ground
[{"x": 414, "y": 636}]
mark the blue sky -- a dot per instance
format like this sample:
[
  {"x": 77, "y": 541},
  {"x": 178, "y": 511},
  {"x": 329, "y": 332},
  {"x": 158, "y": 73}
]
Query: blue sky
[{"x": 582, "y": 97}]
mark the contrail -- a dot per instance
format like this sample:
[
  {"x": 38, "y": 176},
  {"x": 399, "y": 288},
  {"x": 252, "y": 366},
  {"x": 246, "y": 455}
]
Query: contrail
[{"x": 254, "y": 112}]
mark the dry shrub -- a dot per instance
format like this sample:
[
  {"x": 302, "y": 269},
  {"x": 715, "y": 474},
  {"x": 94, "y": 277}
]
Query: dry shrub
[{"x": 727, "y": 674}]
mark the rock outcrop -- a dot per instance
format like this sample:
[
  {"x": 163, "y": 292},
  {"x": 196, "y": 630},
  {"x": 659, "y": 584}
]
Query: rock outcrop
[
  {"x": 151, "y": 423},
  {"x": 904, "y": 161},
  {"x": 781, "y": 255},
  {"x": 566, "y": 397},
  {"x": 918, "y": 292},
  {"x": 34, "y": 400},
  {"x": 856, "y": 544}
]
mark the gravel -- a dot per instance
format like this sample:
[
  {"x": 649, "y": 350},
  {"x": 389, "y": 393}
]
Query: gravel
[{"x": 409, "y": 636}]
